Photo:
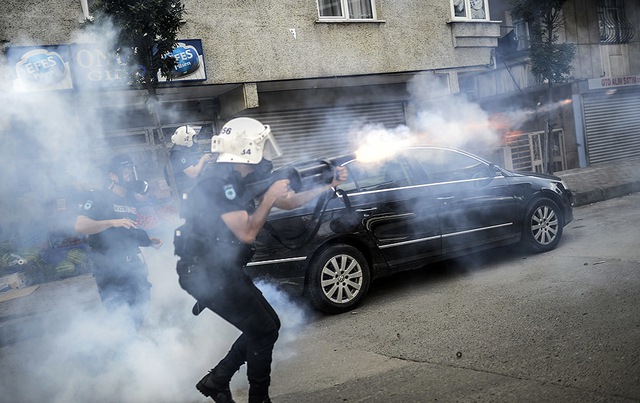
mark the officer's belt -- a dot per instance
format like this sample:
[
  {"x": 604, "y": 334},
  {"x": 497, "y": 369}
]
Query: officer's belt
[
  {"x": 207, "y": 240},
  {"x": 114, "y": 258}
]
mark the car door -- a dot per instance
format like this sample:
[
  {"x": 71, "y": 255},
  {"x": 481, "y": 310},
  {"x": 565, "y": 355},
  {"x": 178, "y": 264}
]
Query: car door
[
  {"x": 476, "y": 204},
  {"x": 398, "y": 212}
]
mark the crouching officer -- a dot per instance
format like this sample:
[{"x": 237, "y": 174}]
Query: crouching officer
[
  {"x": 109, "y": 218},
  {"x": 215, "y": 242}
]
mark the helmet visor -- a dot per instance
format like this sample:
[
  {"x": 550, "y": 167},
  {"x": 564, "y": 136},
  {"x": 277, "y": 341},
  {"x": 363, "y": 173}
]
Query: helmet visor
[
  {"x": 271, "y": 149},
  {"x": 196, "y": 130}
]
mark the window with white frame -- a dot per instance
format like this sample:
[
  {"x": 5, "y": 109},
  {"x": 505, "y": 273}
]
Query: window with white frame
[
  {"x": 470, "y": 9},
  {"x": 346, "y": 9}
]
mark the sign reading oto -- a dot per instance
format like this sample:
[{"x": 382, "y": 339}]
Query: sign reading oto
[{"x": 607, "y": 82}]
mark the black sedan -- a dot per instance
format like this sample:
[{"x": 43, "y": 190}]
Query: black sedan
[{"x": 423, "y": 205}]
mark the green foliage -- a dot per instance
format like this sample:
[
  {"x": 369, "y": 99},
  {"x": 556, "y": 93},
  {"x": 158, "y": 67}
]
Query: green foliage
[
  {"x": 147, "y": 30},
  {"x": 550, "y": 60}
]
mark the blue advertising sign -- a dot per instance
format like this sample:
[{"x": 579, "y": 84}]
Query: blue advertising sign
[
  {"x": 189, "y": 62},
  {"x": 39, "y": 68},
  {"x": 90, "y": 66}
]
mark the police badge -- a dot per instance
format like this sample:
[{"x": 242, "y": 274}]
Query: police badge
[{"x": 229, "y": 192}]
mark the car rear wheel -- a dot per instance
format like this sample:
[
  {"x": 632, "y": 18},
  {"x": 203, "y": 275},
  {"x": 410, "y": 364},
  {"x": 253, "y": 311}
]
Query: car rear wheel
[
  {"x": 338, "y": 279},
  {"x": 542, "y": 226}
]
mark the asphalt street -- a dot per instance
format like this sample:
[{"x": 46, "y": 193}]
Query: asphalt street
[{"x": 562, "y": 326}]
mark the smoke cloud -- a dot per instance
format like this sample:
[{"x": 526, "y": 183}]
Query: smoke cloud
[
  {"x": 440, "y": 118},
  {"x": 88, "y": 355},
  {"x": 53, "y": 151}
]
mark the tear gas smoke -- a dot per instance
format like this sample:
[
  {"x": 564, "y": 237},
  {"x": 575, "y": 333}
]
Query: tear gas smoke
[
  {"x": 86, "y": 355},
  {"x": 378, "y": 144},
  {"x": 51, "y": 142},
  {"x": 443, "y": 119}
]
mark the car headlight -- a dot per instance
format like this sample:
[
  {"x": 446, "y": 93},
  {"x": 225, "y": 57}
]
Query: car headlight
[{"x": 559, "y": 187}]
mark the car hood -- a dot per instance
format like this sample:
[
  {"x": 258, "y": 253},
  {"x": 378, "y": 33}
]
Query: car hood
[{"x": 532, "y": 174}]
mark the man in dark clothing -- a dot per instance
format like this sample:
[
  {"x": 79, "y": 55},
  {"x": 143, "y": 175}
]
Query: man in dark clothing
[
  {"x": 187, "y": 158},
  {"x": 214, "y": 244},
  {"x": 109, "y": 218}
]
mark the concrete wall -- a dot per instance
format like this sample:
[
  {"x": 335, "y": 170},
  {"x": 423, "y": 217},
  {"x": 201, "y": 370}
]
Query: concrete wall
[
  {"x": 252, "y": 40},
  {"x": 32, "y": 22}
]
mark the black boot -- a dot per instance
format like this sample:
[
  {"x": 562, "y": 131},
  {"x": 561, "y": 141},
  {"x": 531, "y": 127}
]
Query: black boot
[
  {"x": 259, "y": 399},
  {"x": 215, "y": 388}
]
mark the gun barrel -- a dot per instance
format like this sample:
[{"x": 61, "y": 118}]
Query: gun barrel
[
  {"x": 302, "y": 176},
  {"x": 321, "y": 171}
]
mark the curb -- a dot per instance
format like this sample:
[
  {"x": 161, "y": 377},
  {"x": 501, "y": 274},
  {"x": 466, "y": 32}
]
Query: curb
[{"x": 601, "y": 194}]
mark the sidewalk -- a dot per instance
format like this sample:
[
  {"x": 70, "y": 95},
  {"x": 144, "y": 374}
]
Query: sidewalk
[
  {"x": 603, "y": 181},
  {"x": 24, "y": 311}
]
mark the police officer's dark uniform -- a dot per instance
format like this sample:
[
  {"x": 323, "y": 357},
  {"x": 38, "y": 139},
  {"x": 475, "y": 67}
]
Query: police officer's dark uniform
[
  {"x": 210, "y": 269},
  {"x": 212, "y": 257},
  {"x": 181, "y": 158},
  {"x": 119, "y": 271},
  {"x": 185, "y": 156}
]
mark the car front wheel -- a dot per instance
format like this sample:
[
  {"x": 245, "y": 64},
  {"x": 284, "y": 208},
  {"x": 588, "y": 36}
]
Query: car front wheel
[
  {"x": 542, "y": 226},
  {"x": 338, "y": 279}
]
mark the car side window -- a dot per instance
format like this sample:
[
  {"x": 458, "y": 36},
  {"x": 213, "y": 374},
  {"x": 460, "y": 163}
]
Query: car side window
[
  {"x": 376, "y": 175},
  {"x": 450, "y": 166}
]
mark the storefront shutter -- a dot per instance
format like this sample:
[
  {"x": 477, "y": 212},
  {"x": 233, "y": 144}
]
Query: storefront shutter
[
  {"x": 612, "y": 125},
  {"x": 325, "y": 131}
]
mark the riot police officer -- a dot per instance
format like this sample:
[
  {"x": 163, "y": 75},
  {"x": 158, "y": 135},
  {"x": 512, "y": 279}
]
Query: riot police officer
[
  {"x": 221, "y": 222},
  {"x": 186, "y": 158},
  {"x": 109, "y": 218}
]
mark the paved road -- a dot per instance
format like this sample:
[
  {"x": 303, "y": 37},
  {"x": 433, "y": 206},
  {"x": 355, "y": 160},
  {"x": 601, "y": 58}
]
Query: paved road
[{"x": 562, "y": 326}]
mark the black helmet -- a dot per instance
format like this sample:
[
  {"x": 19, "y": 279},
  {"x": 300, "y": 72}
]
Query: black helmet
[
  {"x": 117, "y": 166},
  {"x": 118, "y": 162}
]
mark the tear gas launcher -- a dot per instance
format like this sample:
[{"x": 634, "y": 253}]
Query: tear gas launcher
[{"x": 302, "y": 176}]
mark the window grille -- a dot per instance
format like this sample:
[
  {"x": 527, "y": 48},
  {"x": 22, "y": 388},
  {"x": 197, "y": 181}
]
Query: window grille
[{"x": 613, "y": 24}]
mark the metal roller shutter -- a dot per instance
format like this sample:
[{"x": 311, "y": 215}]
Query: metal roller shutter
[
  {"x": 612, "y": 126},
  {"x": 323, "y": 131}
]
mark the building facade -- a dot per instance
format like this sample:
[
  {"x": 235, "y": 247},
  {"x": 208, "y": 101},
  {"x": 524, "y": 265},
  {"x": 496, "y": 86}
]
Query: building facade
[
  {"x": 594, "y": 112},
  {"x": 307, "y": 68}
]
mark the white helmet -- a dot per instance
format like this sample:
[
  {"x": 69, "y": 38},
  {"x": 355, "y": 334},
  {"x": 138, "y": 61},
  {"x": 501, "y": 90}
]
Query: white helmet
[
  {"x": 183, "y": 136},
  {"x": 245, "y": 141}
]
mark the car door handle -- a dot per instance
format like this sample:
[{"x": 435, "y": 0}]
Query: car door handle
[
  {"x": 366, "y": 210},
  {"x": 446, "y": 198}
]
